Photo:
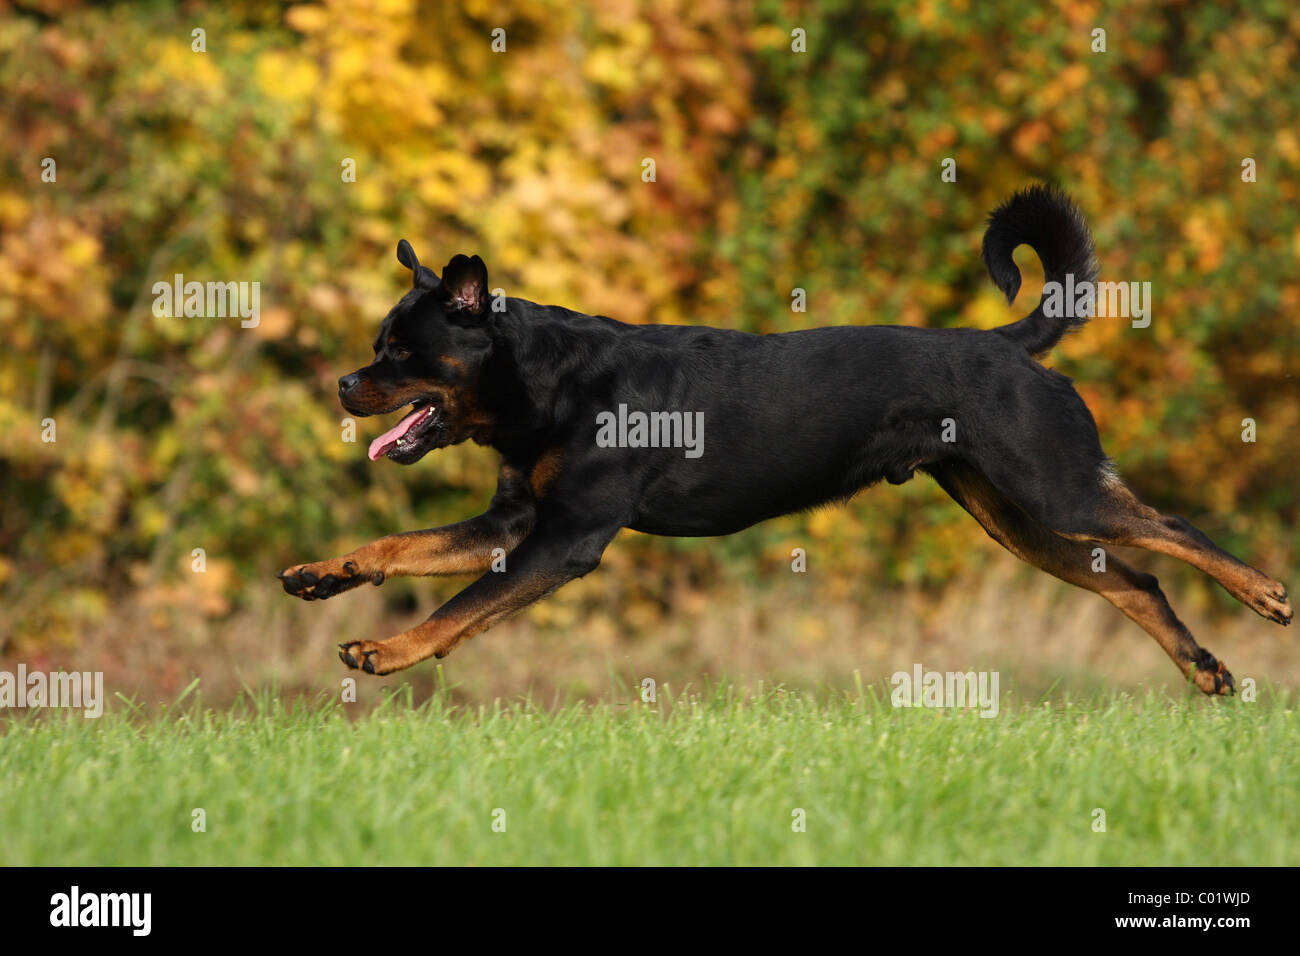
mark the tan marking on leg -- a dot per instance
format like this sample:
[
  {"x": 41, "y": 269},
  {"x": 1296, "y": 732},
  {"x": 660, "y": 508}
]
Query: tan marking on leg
[
  {"x": 441, "y": 633},
  {"x": 1136, "y": 594},
  {"x": 1141, "y": 526},
  {"x": 461, "y": 548},
  {"x": 427, "y": 553}
]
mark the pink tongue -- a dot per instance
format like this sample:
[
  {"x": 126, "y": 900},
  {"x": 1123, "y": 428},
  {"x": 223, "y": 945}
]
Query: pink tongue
[{"x": 381, "y": 445}]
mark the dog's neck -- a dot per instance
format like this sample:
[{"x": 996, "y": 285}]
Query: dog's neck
[{"x": 536, "y": 350}]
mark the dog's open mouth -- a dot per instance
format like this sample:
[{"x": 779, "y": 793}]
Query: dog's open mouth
[{"x": 405, "y": 436}]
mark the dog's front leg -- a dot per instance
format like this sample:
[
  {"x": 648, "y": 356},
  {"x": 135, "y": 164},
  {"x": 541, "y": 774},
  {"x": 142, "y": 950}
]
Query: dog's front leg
[
  {"x": 467, "y": 547},
  {"x": 462, "y": 548},
  {"x": 548, "y": 558}
]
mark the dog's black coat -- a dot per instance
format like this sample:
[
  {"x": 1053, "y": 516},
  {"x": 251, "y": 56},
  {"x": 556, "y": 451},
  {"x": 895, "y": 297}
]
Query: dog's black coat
[{"x": 790, "y": 421}]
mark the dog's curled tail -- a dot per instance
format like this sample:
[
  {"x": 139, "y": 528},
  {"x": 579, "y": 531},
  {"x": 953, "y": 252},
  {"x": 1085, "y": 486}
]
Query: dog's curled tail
[{"x": 1045, "y": 219}]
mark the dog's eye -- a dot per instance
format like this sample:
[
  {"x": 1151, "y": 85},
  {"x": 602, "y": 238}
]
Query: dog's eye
[{"x": 401, "y": 355}]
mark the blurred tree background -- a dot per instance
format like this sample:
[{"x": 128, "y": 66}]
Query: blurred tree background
[{"x": 775, "y": 169}]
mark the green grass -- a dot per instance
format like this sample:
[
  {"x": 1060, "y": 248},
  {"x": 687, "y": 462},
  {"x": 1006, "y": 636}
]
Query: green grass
[{"x": 711, "y": 780}]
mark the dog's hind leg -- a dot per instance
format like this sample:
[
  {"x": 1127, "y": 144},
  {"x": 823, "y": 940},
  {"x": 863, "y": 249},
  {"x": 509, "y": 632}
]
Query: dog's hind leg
[
  {"x": 1052, "y": 465},
  {"x": 1138, "y": 595},
  {"x": 1119, "y": 518}
]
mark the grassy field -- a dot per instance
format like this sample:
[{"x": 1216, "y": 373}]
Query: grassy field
[{"x": 714, "y": 779}]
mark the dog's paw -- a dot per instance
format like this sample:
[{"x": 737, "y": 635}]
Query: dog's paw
[
  {"x": 362, "y": 655},
  {"x": 404, "y": 650},
  {"x": 1270, "y": 601},
  {"x": 324, "y": 579},
  {"x": 1213, "y": 678},
  {"x": 378, "y": 657}
]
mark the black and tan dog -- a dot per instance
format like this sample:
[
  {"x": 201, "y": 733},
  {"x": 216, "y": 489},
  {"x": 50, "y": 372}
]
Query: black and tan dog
[{"x": 793, "y": 420}]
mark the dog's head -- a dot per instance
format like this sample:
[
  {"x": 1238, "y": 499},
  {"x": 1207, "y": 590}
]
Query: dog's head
[{"x": 429, "y": 354}]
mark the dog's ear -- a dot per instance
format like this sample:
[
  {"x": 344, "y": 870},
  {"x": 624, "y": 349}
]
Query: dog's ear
[
  {"x": 406, "y": 256},
  {"x": 420, "y": 275},
  {"x": 465, "y": 285}
]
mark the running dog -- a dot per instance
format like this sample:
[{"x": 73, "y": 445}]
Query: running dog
[{"x": 601, "y": 426}]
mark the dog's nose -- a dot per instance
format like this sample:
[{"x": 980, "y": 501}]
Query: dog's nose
[{"x": 348, "y": 382}]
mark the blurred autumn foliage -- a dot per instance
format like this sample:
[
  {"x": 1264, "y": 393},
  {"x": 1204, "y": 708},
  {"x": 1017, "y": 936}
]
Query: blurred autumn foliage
[{"x": 775, "y": 169}]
